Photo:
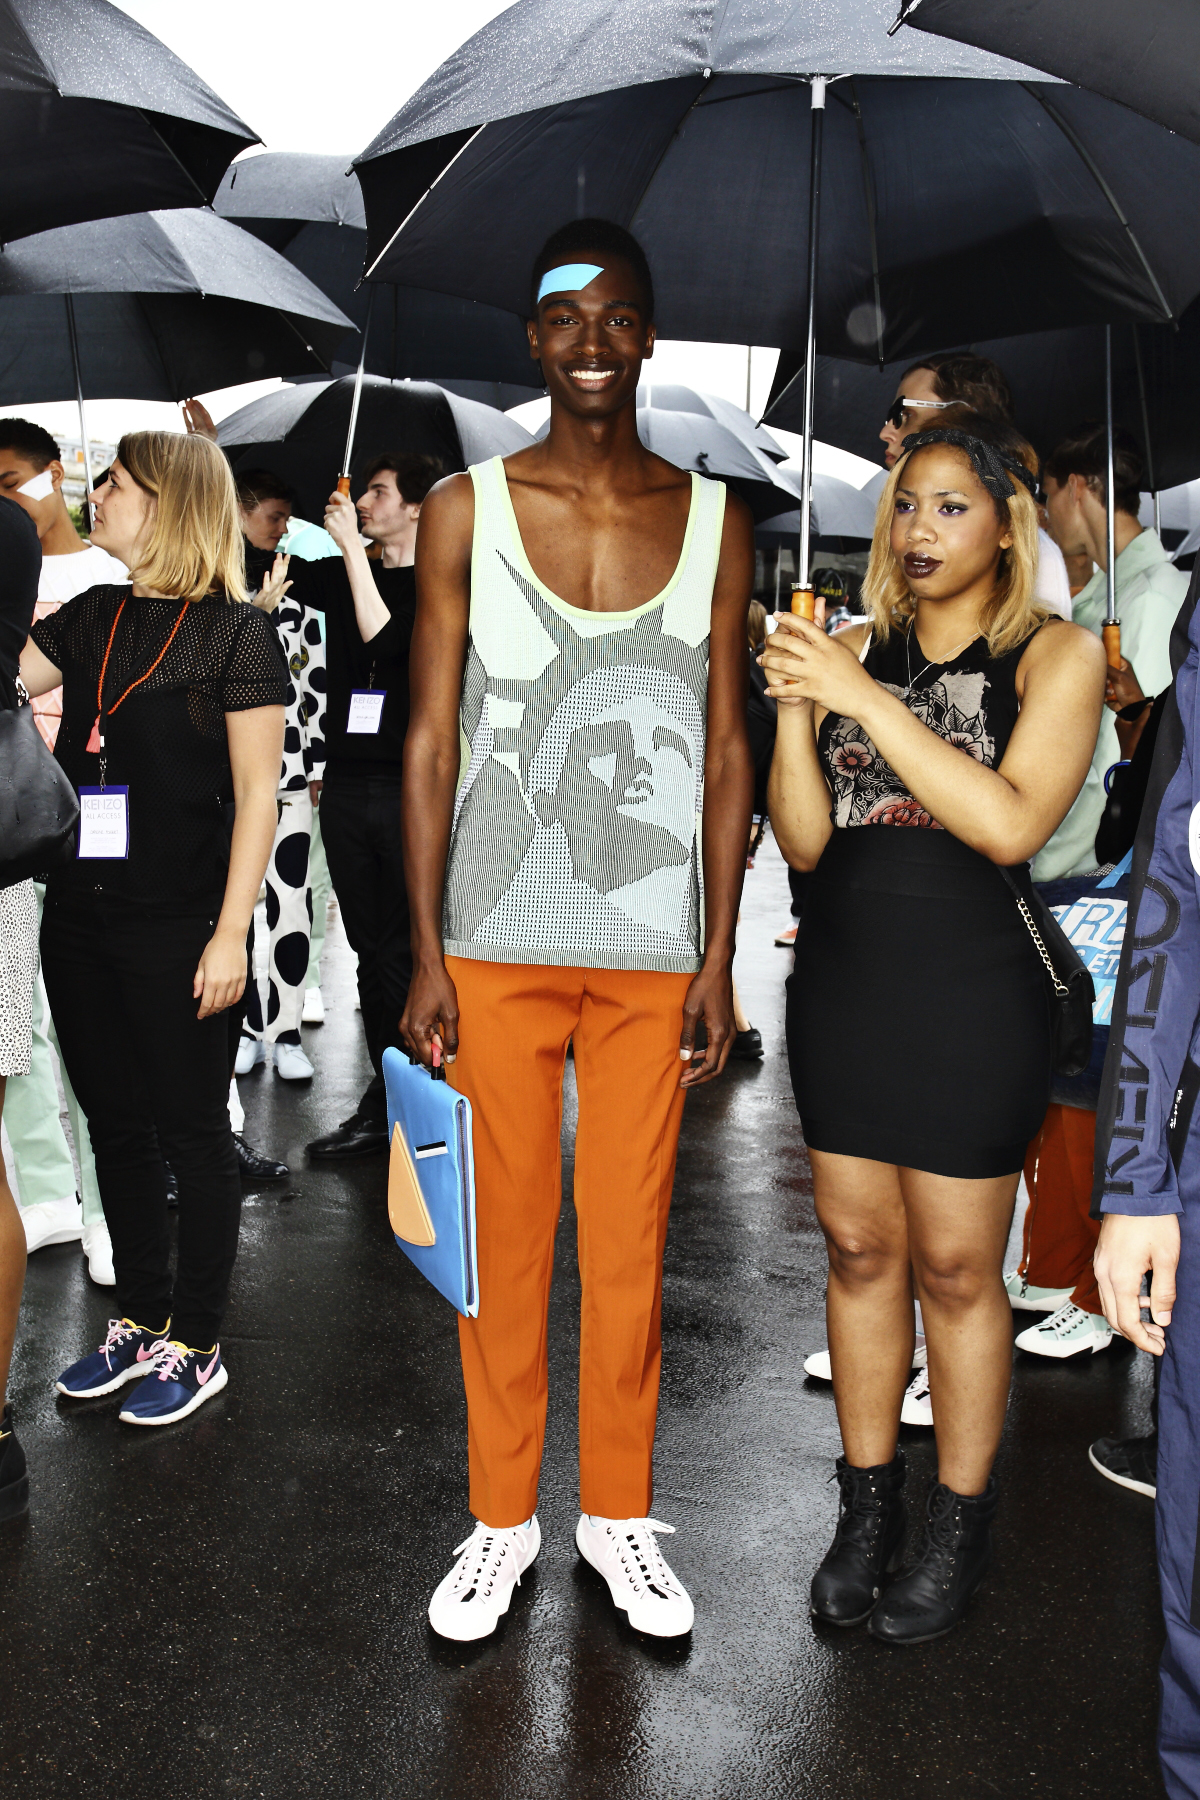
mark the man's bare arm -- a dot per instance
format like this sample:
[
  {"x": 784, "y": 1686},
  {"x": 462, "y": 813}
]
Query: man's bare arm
[
  {"x": 728, "y": 799},
  {"x": 431, "y": 751}
]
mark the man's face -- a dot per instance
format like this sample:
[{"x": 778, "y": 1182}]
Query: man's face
[
  {"x": 1064, "y": 514},
  {"x": 15, "y": 470},
  {"x": 266, "y": 523},
  {"x": 918, "y": 384},
  {"x": 383, "y": 512},
  {"x": 592, "y": 341}
]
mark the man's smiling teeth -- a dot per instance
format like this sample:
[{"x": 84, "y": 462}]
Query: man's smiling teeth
[{"x": 593, "y": 378}]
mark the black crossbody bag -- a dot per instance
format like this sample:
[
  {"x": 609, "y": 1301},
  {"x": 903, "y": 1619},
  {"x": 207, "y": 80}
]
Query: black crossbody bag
[{"x": 1071, "y": 992}]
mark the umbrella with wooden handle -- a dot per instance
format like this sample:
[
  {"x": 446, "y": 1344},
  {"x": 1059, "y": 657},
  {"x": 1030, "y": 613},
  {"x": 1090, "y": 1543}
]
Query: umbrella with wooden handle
[
  {"x": 343, "y": 486},
  {"x": 1110, "y": 631},
  {"x": 803, "y": 598}
]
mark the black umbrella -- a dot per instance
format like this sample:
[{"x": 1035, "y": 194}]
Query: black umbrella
[
  {"x": 675, "y": 397},
  {"x": 100, "y": 118},
  {"x": 957, "y": 206},
  {"x": 299, "y": 431},
  {"x": 310, "y": 209},
  {"x": 1145, "y": 55}
]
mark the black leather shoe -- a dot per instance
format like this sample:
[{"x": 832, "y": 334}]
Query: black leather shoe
[
  {"x": 1130, "y": 1462},
  {"x": 746, "y": 1045},
  {"x": 14, "y": 1481},
  {"x": 353, "y": 1137},
  {"x": 868, "y": 1541},
  {"x": 254, "y": 1165},
  {"x": 955, "y": 1553}
]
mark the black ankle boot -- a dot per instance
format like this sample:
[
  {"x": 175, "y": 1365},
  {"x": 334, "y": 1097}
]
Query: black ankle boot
[
  {"x": 930, "y": 1598},
  {"x": 14, "y": 1482},
  {"x": 868, "y": 1540}
]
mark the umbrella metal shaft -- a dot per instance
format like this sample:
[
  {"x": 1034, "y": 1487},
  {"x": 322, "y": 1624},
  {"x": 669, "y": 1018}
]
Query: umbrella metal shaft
[
  {"x": 1111, "y": 630},
  {"x": 344, "y": 477},
  {"x": 84, "y": 446},
  {"x": 803, "y": 601}
]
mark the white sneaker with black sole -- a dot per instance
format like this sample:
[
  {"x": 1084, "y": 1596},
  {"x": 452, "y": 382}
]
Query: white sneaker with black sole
[
  {"x": 1068, "y": 1332},
  {"x": 1022, "y": 1297},
  {"x": 819, "y": 1366},
  {"x": 473, "y": 1598},
  {"x": 642, "y": 1585}
]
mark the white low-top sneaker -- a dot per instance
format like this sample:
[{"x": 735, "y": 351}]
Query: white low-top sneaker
[
  {"x": 52, "y": 1222},
  {"x": 97, "y": 1247},
  {"x": 916, "y": 1407},
  {"x": 1069, "y": 1332},
  {"x": 1023, "y": 1297},
  {"x": 477, "y": 1592},
  {"x": 314, "y": 1008},
  {"x": 819, "y": 1366},
  {"x": 250, "y": 1052},
  {"x": 292, "y": 1064},
  {"x": 626, "y": 1553}
]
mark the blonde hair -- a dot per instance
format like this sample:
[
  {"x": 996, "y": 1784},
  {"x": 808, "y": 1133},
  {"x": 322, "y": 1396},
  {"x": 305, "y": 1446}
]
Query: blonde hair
[
  {"x": 1010, "y": 612},
  {"x": 194, "y": 546}
]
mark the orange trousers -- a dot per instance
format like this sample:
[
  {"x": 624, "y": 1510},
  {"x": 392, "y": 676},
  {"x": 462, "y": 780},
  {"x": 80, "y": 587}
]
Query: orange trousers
[
  {"x": 1060, "y": 1234},
  {"x": 515, "y": 1021}
]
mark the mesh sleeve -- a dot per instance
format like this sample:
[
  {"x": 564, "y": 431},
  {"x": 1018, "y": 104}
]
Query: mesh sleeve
[{"x": 254, "y": 672}]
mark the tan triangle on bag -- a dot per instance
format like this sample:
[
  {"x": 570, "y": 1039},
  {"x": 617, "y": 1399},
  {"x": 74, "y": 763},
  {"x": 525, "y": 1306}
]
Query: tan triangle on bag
[{"x": 407, "y": 1210}]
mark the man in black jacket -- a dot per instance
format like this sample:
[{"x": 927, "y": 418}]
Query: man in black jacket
[{"x": 369, "y": 604}]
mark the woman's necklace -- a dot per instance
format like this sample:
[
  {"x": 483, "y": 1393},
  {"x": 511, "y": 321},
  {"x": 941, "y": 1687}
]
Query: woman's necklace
[{"x": 939, "y": 662}]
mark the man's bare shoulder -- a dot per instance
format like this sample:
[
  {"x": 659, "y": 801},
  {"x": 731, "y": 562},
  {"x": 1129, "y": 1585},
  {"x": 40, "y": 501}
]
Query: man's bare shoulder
[{"x": 449, "y": 507}]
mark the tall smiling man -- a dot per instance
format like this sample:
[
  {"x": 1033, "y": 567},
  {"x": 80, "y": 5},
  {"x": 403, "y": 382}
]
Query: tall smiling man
[{"x": 581, "y": 616}]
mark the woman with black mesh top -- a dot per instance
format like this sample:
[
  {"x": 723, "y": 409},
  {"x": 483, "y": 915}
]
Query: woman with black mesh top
[{"x": 173, "y": 698}]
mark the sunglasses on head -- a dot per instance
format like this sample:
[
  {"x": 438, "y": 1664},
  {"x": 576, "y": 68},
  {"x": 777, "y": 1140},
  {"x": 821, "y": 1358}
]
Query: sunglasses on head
[{"x": 904, "y": 404}]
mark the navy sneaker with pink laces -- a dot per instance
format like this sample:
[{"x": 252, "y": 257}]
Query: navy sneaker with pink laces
[
  {"x": 127, "y": 1353},
  {"x": 177, "y": 1383}
]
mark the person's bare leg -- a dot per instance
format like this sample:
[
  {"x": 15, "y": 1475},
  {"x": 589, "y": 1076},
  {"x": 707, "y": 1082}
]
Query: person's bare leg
[
  {"x": 740, "y": 1021},
  {"x": 957, "y": 1231},
  {"x": 868, "y": 1304},
  {"x": 13, "y": 1257}
]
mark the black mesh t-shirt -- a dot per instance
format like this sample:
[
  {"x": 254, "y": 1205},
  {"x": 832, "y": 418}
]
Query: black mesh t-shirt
[{"x": 166, "y": 741}]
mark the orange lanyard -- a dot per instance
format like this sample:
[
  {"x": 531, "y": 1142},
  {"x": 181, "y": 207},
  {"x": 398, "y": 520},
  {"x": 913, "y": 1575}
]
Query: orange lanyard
[{"x": 96, "y": 740}]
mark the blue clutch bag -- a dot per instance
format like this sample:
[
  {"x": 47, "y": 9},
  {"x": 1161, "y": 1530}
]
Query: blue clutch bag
[{"x": 431, "y": 1179}]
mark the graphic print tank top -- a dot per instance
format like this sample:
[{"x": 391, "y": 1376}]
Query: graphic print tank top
[
  {"x": 576, "y": 825},
  {"x": 970, "y": 701}
]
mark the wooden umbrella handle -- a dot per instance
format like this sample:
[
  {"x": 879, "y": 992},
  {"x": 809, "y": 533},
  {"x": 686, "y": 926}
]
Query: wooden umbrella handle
[
  {"x": 804, "y": 602},
  {"x": 343, "y": 486},
  {"x": 1111, "y": 634}
]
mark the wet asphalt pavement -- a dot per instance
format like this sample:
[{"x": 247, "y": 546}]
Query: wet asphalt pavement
[{"x": 236, "y": 1605}]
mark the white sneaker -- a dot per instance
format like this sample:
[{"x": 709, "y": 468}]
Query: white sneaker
[
  {"x": 292, "y": 1064},
  {"x": 1069, "y": 1332},
  {"x": 917, "y": 1407},
  {"x": 819, "y": 1366},
  {"x": 477, "y": 1592},
  {"x": 250, "y": 1052},
  {"x": 52, "y": 1222},
  {"x": 626, "y": 1553},
  {"x": 314, "y": 1008},
  {"x": 1022, "y": 1297},
  {"x": 97, "y": 1247}
]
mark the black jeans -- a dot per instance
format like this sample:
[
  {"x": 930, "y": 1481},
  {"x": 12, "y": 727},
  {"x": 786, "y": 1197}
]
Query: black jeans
[
  {"x": 360, "y": 823},
  {"x": 154, "y": 1082}
]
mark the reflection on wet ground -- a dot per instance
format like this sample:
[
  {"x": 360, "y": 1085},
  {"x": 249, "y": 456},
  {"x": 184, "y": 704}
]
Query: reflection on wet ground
[{"x": 237, "y": 1606}]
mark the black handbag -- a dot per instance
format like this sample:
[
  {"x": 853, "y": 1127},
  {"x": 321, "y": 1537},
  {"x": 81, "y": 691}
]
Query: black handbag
[
  {"x": 38, "y": 806},
  {"x": 1071, "y": 991}
]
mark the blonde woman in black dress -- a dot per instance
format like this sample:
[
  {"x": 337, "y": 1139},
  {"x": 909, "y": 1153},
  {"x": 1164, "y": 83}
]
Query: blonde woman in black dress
[{"x": 948, "y": 735}]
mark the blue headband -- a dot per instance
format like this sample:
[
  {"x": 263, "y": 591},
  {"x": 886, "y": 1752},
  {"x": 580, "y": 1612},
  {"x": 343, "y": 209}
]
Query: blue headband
[{"x": 567, "y": 278}]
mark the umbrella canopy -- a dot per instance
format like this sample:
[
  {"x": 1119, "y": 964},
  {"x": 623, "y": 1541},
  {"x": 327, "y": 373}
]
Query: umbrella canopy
[
  {"x": 988, "y": 205},
  {"x": 100, "y": 118},
  {"x": 676, "y": 398},
  {"x": 1145, "y": 55},
  {"x": 299, "y": 432},
  {"x": 1057, "y": 379},
  {"x": 310, "y": 209},
  {"x": 839, "y": 510},
  {"x": 166, "y": 304}
]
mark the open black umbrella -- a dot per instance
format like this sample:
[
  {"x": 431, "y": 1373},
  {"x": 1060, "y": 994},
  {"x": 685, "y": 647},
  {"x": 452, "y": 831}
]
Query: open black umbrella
[
  {"x": 675, "y": 397},
  {"x": 310, "y": 209},
  {"x": 99, "y": 118},
  {"x": 1145, "y": 55},
  {"x": 299, "y": 431},
  {"x": 952, "y": 207}
]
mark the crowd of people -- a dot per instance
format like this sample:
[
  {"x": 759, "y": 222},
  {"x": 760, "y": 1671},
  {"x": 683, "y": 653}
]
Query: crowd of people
[{"x": 490, "y": 723}]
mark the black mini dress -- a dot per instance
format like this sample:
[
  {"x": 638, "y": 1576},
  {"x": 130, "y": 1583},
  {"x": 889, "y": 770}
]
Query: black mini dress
[{"x": 918, "y": 1024}]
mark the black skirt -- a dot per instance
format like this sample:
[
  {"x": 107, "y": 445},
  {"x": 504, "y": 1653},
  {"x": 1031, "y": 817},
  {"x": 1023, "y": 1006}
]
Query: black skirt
[{"x": 918, "y": 1024}]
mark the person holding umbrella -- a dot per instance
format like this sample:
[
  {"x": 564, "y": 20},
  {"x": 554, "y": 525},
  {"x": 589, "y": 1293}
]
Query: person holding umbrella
[
  {"x": 173, "y": 694},
  {"x": 947, "y": 735},
  {"x": 582, "y": 618}
]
